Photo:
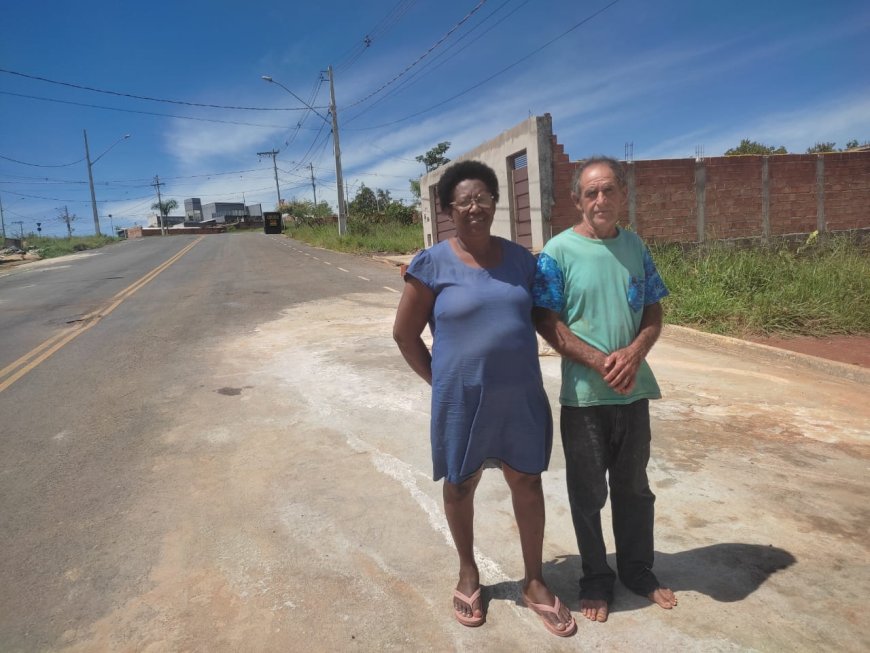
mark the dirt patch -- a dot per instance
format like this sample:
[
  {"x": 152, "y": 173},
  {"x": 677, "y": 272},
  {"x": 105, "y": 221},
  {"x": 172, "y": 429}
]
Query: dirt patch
[{"x": 854, "y": 350}]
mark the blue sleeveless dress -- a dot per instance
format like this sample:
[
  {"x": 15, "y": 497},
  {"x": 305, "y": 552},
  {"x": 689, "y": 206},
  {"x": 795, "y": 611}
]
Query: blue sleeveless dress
[{"x": 488, "y": 399}]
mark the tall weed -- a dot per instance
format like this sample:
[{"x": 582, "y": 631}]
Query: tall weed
[
  {"x": 820, "y": 288},
  {"x": 362, "y": 237}
]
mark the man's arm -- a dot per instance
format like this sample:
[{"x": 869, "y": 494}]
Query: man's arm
[
  {"x": 560, "y": 337},
  {"x": 622, "y": 365}
]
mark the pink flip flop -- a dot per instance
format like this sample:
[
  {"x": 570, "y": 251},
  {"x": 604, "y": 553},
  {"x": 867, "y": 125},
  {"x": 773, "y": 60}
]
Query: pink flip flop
[
  {"x": 471, "y": 622},
  {"x": 541, "y": 609}
]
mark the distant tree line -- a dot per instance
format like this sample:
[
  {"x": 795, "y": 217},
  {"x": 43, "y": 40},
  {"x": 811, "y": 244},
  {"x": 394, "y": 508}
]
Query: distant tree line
[
  {"x": 369, "y": 206},
  {"x": 754, "y": 147}
]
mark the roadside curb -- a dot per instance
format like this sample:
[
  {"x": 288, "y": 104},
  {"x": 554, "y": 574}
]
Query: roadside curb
[{"x": 765, "y": 352}]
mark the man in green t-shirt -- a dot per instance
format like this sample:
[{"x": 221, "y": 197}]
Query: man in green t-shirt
[{"x": 597, "y": 294}]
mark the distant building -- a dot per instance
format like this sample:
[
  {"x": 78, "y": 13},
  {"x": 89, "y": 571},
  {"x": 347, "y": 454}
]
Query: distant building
[
  {"x": 193, "y": 209},
  {"x": 222, "y": 212}
]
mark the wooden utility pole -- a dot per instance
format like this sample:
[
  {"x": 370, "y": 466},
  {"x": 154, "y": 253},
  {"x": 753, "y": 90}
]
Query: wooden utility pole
[
  {"x": 157, "y": 185},
  {"x": 342, "y": 209},
  {"x": 313, "y": 187},
  {"x": 273, "y": 154},
  {"x": 67, "y": 218},
  {"x": 2, "y": 224}
]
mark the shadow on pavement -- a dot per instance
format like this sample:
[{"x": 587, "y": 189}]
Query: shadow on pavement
[{"x": 725, "y": 572}]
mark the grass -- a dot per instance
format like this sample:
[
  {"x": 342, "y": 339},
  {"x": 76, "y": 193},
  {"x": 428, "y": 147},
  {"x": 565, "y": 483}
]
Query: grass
[
  {"x": 362, "y": 238},
  {"x": 820, "y": 288},
  {"x": 53, "y": 247}
]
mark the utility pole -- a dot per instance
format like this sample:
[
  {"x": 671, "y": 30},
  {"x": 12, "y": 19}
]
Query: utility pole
[
  {"x": 66, "y": 218},
  {"x": 273, "y": 154},
  {"x": 20, "y": 228},
  {"x": 157, "y": 184},
  {"x": 313, "y": 187},
  {"x": 91, "y": 182},
  {"x": 342, "y": 209},
  {"x": 2, "y": 224}
]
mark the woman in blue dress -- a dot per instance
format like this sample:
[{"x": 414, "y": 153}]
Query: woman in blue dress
[{"x": 489, "y": 407}]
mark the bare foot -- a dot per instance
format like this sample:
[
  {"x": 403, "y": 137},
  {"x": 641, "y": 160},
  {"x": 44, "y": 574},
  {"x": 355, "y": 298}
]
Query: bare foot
[
  {"x": 663, "y": 597},
  {"x": 537, "y": 592},
  {"x": 594, "y": 609},
  {"x": 469, "y": 581}
]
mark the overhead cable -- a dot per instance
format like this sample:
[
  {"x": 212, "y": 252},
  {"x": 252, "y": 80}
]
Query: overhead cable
[{"x": 145, "y": 97}]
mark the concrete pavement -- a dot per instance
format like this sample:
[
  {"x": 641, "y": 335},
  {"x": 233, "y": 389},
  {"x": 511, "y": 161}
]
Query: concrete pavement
[
  {"x": 330, "y": 534},
  {"x": 287, "y": 503}
]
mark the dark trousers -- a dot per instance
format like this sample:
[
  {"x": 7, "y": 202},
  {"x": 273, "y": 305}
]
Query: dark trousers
[{"x": 601, "y": 443}]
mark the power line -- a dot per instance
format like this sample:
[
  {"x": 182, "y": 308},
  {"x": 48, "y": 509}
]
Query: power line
[
  {"x": 477, "y": 85},
  {"x": 386, "y": 23},
  {"x": 434, "y": 64},
  {"x": 144, "y": 97},
  {"x": 145, "y": 113},
  {"x": 41, "y": 165},
  {"x": 422, "y": 56}
]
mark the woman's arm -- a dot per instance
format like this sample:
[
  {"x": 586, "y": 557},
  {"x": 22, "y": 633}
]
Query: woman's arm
[{"x": 412, "y": 315}]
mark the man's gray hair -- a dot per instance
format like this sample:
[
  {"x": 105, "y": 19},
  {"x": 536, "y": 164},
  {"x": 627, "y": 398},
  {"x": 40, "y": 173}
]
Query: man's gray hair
[{"x": 615, "y": 165}]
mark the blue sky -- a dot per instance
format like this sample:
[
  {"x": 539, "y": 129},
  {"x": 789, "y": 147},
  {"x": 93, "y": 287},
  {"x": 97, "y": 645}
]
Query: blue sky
[{"x": 665, "y": 75}]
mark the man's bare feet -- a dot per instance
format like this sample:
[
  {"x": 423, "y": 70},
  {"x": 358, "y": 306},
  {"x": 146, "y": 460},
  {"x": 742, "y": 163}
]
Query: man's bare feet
[
  {"x": 537, "y": 592},
  {"x": 663, "y": 597},
  {"x": 594, "y": 609}
]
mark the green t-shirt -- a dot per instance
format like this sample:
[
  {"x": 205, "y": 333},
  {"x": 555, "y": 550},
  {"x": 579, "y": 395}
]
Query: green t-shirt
[{"x": 599, "y": 288}]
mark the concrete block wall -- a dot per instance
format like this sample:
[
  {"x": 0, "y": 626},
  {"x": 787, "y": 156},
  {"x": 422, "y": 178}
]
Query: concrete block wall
[{"x": 532, "y": 136}]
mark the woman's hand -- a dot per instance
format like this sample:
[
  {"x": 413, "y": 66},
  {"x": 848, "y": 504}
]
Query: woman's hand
[{"x": 412, "y": 315}]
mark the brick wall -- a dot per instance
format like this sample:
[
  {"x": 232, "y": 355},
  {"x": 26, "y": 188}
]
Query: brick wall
[
  {"x": 563, "y": 214},
  {"x": 792, "y": 193},
  {"x": 665, "y": 198},
  {"x": 847, "y": 191},
  {"x": 734, "y": 197}
]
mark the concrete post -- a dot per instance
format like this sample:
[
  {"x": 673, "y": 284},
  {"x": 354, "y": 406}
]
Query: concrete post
[
  {"x": 700, "y": 197},
  {"x": 820, "y": 193},
  {"x": 765, "y": 197}
]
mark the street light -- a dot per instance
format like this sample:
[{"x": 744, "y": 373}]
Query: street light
[
  {"x": 91, "y": 175},
  {"x": 342, "y": 211}
]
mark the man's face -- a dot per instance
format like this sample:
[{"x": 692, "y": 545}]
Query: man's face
[{"x": 600, "y": 201}]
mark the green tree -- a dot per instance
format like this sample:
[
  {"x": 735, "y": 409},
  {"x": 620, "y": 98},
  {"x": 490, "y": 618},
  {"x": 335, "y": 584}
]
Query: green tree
[
  {"x": 365, "y": 204},
  {"x": 752, "y": 147},
  {"x": 306, "y": 210},
  {"x": 398, "y": 212},
  {"x": 384, "y": 199},
  {"x": 415, "y": 188},
  {"x": 435, "y": 157},
  {"x": 819, "y": 148},
  {"x": 163, "y": 208}
]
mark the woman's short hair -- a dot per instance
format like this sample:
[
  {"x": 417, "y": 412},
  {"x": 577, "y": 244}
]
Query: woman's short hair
[
  {"x": 459, "y": 172},
  {"x": 615, "y": 165}
]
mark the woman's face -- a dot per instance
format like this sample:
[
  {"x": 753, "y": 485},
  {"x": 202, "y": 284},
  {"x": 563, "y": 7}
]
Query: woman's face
[{"x": 472, "y": 209}]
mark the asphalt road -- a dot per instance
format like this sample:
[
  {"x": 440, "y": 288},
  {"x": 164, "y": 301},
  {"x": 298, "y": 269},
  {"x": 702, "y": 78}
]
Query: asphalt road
[{"x": 212, "y": 444}]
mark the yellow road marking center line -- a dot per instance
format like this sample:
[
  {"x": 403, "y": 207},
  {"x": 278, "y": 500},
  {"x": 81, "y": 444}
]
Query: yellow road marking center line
[{"x": 42, "y": 352}]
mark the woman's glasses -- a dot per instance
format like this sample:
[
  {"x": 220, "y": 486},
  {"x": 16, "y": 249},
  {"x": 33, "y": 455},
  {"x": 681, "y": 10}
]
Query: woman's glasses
[{"x": 483, "y": 200}]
